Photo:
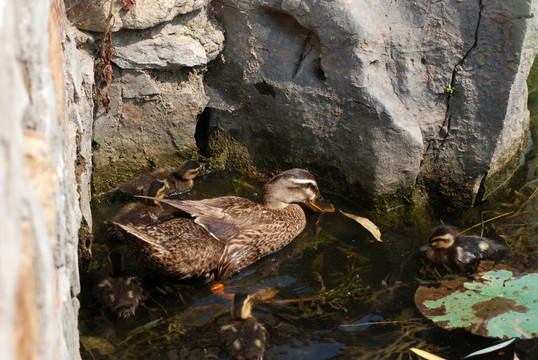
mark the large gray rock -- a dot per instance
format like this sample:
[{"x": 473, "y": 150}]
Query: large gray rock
[
  {"x": 186, "y": 41},
  {"x": 357, "y": 90},
  {"x": 92, "y": 15}
]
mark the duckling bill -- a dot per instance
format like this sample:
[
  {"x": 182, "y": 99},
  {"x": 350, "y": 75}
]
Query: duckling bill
[
  {"x": 446, "y": 246},
  {"x": 227, "y": 233},
  {"x": 244, "y": 336}
]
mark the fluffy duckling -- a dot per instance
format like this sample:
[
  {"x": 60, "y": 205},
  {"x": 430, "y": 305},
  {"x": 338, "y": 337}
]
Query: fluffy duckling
[
  {"x": 243, "y": 337},
  {"x": 120, "y": 294},
  {"x": 227, "y": 233},
  {"x": 142, "y": 211},
  {"x": 177, "y": 180},
  {"x": 446, "y": 246}
]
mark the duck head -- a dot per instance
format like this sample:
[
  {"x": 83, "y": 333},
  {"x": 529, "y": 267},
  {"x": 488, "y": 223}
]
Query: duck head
[{"x": 294, "y": 186}]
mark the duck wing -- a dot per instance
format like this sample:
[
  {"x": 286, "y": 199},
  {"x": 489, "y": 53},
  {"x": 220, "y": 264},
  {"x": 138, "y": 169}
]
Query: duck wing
[
  {"x": 224, "y": 217},
  {"x": 177, "y": 247},
  {"x": 260, "y": 240}
]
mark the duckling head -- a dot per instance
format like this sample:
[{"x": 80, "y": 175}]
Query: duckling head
[
  {"x": 442, "y": 237},
  {"x": 241, "y": 306},
  {"x": 157, "y": 189},
  {"x": 189, "y": 170},
  {"x": 294, "y": 186}
]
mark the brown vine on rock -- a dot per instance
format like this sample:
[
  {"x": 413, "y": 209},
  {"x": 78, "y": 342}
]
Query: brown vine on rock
[{"x": 104, "y": 75}]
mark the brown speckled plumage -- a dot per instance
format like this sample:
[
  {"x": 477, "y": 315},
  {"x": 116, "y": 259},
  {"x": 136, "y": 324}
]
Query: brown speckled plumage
[
  {"x": 142, "y": 211},
  {"x": 226, "y": 233}
]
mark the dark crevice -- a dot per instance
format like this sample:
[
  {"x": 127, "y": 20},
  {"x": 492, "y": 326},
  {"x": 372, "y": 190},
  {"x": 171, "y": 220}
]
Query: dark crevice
[
  {"x": 201, "y": 133},
  {"x": 265, "y": 89},
  {"x": 481, "y": 189}
]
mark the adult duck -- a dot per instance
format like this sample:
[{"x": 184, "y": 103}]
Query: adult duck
[{"x": 225, "y": 234}]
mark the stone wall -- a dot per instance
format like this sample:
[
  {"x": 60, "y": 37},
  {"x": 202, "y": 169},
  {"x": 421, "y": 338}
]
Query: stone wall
[{"x": 45, "y": 167}]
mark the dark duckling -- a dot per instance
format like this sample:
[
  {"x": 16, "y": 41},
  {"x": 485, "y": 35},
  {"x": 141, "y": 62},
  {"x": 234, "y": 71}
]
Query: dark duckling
[
  {"x": 244, "y": 337},
  {"x": 120, "y": 294},
  {"x": 177, "y": 180},
  {"x": 446, "y": 246}
]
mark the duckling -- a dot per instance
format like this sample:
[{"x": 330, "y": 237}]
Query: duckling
[
  {"x": 120, "y": 294},
  {"x": 177, "y": 181},
  {"x": 142, "y": 211},
  {"x": 227, "y": 233},
  {"x": 446, "y": 246},
  {"x": 244, "y": 336}
]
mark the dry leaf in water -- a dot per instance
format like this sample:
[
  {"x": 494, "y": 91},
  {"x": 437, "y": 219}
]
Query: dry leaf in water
[
  {"x": 366, "y": 223},
  {"x": 491, "y": 348},
  {"x": 426, "y": 355}
]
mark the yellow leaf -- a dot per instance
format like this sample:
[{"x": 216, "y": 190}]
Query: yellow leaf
[
  {"x": 426, "y": 355},
  {"x": 366, "y": 223}
]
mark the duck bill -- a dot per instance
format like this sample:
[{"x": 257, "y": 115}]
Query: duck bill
[{"x": 319, "y": 204}]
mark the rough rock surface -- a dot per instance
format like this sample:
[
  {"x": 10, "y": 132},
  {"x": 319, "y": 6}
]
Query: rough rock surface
[
  {"x": 357, "y": 90},
  {"x": 186, "y": 41},
  {"x": 91, "y": 15},
  {"x": 156, "y": 97},
  {"x": 45, "y": 162}
]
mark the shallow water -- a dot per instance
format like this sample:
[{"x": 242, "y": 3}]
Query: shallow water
[{"x": 339, "y": 293}]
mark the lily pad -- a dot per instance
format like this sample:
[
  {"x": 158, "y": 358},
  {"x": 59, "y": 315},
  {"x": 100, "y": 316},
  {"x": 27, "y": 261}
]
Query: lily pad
[{"x": 499, "y": 302}]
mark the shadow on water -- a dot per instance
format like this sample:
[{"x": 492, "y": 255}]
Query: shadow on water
[{"x": 339, "y": 294}]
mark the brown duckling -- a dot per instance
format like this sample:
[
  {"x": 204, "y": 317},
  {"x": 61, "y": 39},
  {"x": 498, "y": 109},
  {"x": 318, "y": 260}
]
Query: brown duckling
[
  {"x": 446, "y": 246},
  {"x": 227, "y": 233},
  {"x": 120, "y": 294},
  {"x": 142, "y": 211},
  {"x": 244, "y": 336},
  {"x": 177, "y": 180}
]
